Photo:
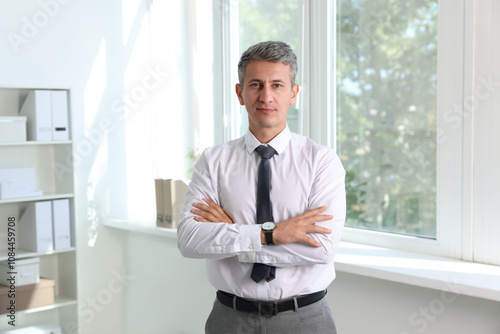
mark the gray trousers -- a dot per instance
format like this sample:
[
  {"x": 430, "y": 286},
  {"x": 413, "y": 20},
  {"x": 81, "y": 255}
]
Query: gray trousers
[{"x": 316, "y": 318}]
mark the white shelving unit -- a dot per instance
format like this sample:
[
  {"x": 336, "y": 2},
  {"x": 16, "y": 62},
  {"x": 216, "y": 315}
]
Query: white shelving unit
[{"x": 54, "y": 175}]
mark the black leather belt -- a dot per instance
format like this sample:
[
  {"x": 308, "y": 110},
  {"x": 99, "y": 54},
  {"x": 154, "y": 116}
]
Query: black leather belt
[{"x": 267, "y": 308}]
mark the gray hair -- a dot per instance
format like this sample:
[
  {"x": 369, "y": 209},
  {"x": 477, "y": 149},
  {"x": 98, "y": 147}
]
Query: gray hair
[{"x": 277, "y": 52}]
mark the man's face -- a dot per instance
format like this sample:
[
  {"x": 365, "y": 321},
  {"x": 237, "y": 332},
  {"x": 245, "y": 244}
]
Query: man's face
[{"x": 267, "y": 93}]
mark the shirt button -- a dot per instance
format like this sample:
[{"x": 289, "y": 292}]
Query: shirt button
[
  {"x": 262, "y": 282},
  {"x": 246, "y": 258},
  {"x": 273, "y": 260},
  {"x": 223, "y": 249},
  {"x": 250, "y": 246}
]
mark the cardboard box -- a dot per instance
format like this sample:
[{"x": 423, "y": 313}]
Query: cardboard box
[
  {"x": 174, "y": 195},
  {"x": 13, "y": 128},
  {"x": 167, "y": 205},
  {"x": 25, "y": 271},
  {"x": 37, "y": 329},
  {"x": 28, "y": 296},
  {"x": 159, "y": 201},
  {"x": 179, "y": 192}
]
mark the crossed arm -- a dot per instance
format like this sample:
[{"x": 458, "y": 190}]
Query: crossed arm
[
  {"x": 292, "y": 230},
  {"x": 209, "y": 230}
]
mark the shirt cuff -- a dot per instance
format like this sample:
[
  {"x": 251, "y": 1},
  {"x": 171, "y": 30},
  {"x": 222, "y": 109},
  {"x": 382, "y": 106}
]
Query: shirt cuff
[{"x": 250, "y": 238}]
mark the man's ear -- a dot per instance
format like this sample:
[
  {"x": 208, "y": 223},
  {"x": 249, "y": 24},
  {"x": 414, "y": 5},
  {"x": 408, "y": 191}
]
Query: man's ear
[
  {"x": 239, "y": 92},
  {"x": 295, "y": 92}
]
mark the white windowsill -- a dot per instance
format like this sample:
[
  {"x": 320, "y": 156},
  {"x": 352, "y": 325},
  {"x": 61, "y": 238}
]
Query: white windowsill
[
  {"x": 449, "y": 275},
  {"x": 466, "y": 278},
  {"x": 129, "y": 226}
]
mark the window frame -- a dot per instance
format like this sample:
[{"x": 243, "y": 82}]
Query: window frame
[
  {"x": 226, "y": 31},
  {"x": 453, "y": 182}
]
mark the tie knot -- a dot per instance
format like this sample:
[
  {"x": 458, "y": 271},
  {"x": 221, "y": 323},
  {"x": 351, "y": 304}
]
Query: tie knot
[{"x": 265, "y": 152}]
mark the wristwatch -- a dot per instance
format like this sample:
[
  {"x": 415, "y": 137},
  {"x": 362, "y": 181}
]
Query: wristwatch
[{"x": 268, "y": 228}]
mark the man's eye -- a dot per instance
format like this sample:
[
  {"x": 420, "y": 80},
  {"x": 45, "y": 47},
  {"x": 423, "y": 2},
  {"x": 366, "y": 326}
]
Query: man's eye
[{"x": 278, "y": 85}]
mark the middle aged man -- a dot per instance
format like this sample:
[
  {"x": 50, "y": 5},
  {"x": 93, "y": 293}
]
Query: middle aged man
[{"x": 266, "y": 211}]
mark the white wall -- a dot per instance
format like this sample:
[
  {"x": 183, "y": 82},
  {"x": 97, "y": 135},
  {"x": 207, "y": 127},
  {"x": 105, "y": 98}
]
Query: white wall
[
  {"x": 98, "y": 50},
  {"x": 80, "y": 45},
  {"x": 368, "y": 305},
  {"x": 101, "y": 51},
  {"x": 172, "y": 296}
]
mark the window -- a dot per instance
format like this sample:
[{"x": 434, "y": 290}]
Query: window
[
  {"x": 264, "y": 20},
  {"x": 393, "y": 87},
  {"x": 385, "y": 108},
  {"x": 182, "y": 40},
  {"x": 386, "y": 94},
  {"x": 268, "y": 20}
]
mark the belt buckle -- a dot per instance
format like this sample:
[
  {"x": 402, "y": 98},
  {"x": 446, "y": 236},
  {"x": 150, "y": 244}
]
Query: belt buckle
[{"x": 269, "y": 309}]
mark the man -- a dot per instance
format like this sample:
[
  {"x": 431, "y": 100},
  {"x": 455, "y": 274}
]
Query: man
[{"x": 266, "y": 211}]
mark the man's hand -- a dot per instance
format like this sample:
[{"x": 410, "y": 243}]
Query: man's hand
[
  {"x": 295, "y": 229},
  {"x": 210, "y": 213},
  {"x": 289, "y": 231}
]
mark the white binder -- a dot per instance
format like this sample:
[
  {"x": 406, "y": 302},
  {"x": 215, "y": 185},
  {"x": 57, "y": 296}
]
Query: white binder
[
  {"x": 60, "y": 129},
  {"x": 35, "y": 227},
  {"x": 61, "y": 224},
  {"x": 37, "y": 108}
]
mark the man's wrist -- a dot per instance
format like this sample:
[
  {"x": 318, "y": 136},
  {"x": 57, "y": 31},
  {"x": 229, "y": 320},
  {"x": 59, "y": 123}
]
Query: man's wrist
[
  {"x": 262, "y": 237},
  {"x": 268, "y": 229}
]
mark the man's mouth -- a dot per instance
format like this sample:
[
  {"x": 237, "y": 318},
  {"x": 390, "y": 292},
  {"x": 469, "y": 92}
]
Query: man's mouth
[{"x": 265, "y": 110}]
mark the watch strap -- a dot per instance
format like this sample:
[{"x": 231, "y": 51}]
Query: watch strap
[{"x": 269, "y": 237}]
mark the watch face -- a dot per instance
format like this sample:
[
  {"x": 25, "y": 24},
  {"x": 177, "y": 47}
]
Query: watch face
[{"x": 268, "y": 226}]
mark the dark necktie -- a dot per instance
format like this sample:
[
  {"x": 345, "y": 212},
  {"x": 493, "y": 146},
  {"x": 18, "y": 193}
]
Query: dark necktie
[{"x": 262, "y": 271}]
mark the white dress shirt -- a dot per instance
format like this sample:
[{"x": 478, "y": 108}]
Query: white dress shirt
[{"x": 304, "y": 176}]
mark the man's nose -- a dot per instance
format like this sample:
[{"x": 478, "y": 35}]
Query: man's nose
[{"x": 266, "y": 94}]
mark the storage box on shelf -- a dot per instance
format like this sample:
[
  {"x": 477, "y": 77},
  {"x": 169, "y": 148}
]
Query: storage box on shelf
[
  {"x": 22, "y": 272},
  {"x": 12, "y": 128},
  {"x": 28, "y": 296},
  {"x": 45, "y": 153},
  {"x": 18, "y": 183}
]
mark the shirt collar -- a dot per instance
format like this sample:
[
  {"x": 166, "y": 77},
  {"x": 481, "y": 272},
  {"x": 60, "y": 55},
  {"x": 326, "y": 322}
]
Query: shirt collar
[{"x": 279, "y": 143}]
